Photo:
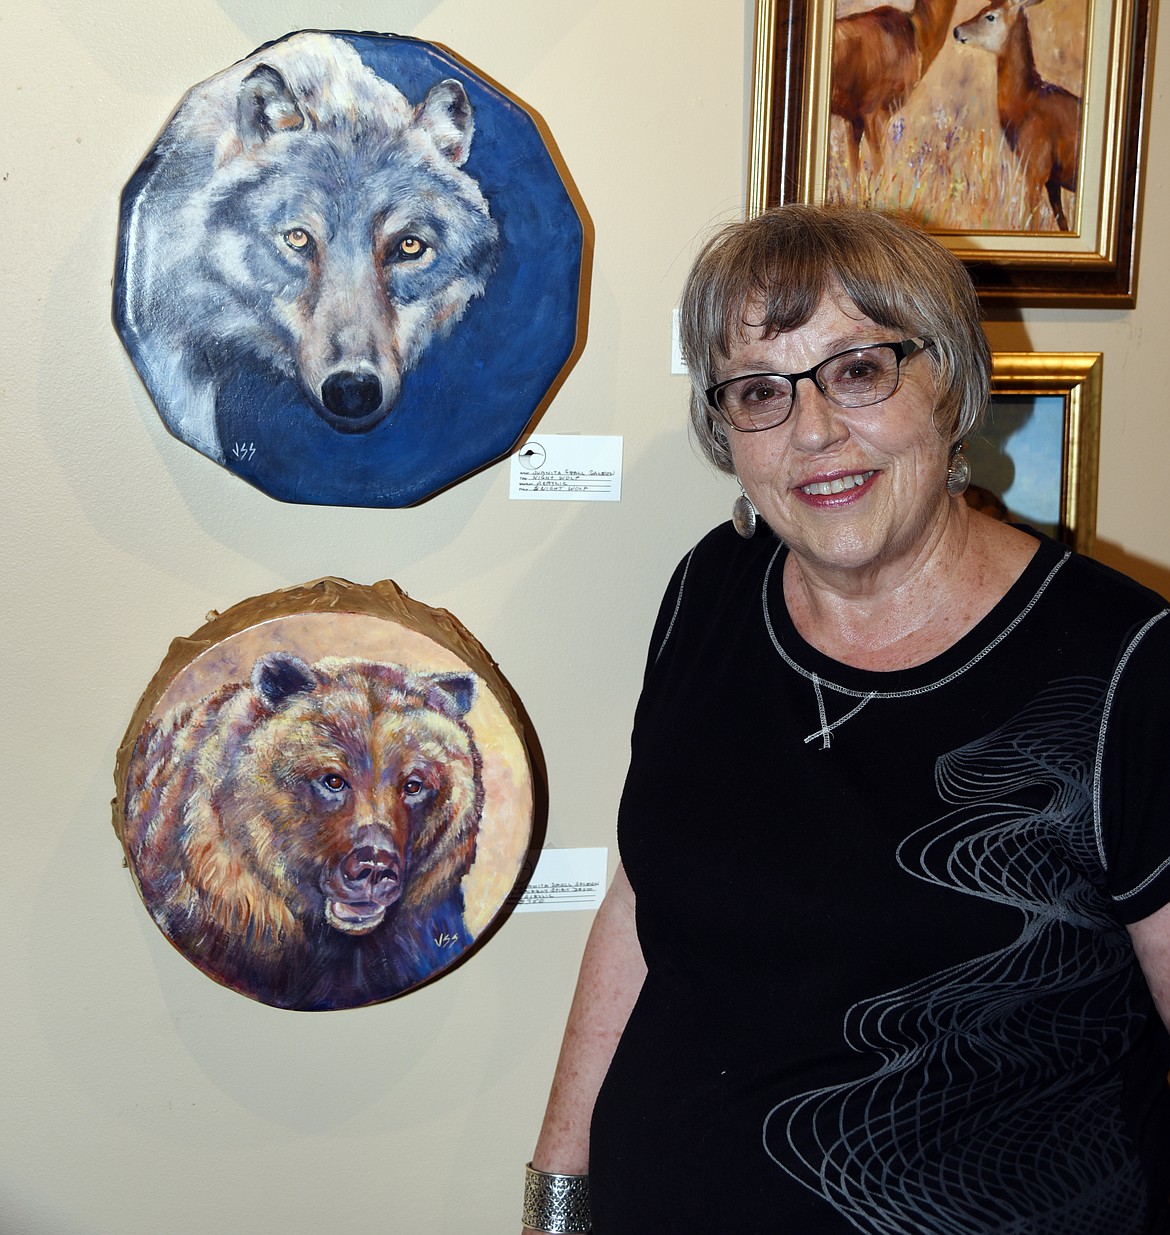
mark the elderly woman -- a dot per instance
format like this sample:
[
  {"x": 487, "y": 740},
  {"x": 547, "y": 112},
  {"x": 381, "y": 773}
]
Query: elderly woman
[{"x": 897, "y": 821}]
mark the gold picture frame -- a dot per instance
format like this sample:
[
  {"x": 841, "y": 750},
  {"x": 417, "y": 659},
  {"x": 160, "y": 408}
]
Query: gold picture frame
[
  {"x": 1093, "y": 263},
  {"x": 1037, "y": 452}
]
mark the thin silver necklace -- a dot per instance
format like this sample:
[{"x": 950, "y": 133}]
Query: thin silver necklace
[{"x": 825, "y": 729}]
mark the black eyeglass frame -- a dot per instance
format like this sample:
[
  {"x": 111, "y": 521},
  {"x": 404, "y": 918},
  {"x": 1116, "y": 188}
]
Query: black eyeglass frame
[{"x": 903, "y": 350}]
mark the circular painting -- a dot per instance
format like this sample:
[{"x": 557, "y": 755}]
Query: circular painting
[
  {"x": 348, "y": 270},
  {"x": 325, "y": 795}
]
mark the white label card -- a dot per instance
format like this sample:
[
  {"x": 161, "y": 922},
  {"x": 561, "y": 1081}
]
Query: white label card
[
  {"x": 565, "y": 467},
  {"x": 566, "y": 879}
]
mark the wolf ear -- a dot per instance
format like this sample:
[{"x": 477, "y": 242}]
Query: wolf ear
[
  {"x": 265, "y": 106},
  {"x": 451, "y": 693},
  {"x": 447, "y": 116},
  {"x": 280, "y": 675}
]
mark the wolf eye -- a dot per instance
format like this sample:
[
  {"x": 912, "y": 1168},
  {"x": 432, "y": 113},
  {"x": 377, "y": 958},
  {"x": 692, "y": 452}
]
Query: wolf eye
[
  {"x": 334, "y": 782},
  {"x": 298, "y": 240},
  {"x": 410, "y": 249}
]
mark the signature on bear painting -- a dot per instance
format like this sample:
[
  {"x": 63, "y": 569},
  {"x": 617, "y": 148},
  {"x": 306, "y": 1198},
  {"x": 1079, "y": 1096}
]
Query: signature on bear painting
[{"x": 302, "y": 836}]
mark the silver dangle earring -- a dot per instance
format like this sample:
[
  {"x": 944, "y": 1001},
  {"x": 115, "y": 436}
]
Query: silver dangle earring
[
  {"x": 959, "y": 472},
  {"x": 743, "y": 515}
]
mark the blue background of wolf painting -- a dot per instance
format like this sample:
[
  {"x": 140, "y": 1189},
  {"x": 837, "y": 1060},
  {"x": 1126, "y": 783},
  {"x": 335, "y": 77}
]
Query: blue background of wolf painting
[{"x": 471, "y": 394}]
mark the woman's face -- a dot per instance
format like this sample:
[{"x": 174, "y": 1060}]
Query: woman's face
[{"x": 890, "y": 456}]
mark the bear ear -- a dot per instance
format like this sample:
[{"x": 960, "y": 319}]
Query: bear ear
[
  {"x": 452, "y": 693},
  {"x": 447, "y": 116},
  {"x": 265, "y": 106},
  {"x": 280, "y": 675}
]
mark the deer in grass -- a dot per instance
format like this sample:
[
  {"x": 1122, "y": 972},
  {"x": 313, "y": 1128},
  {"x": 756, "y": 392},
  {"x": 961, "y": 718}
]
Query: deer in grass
[
  {"x": 1041, "y": 121},
  {"x": 879, "y": 56}
]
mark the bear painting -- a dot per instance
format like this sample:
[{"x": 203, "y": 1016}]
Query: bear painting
[{"x": 303, "y": 835}]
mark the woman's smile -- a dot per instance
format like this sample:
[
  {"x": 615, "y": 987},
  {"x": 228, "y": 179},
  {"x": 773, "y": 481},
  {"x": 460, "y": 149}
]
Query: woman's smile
[{"x": 849, "y": 484}]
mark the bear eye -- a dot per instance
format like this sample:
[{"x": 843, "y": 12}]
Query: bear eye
[
  {"x": 410, "y": 249},
  {"x": 298, "y": 240},
  {"x": 412, "y": 786},
  {"x": 334, "y": 782}
]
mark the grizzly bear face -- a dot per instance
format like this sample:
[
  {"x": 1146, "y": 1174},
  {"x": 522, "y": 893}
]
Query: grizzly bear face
[
  {"x": 338, "y": 801},
  {"x": 349, "y": 783}
]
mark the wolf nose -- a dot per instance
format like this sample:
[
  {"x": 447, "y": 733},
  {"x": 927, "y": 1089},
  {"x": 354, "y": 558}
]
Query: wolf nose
[
  {"x": 377, "y": 870},
  {"x": 351, "y": 395}
]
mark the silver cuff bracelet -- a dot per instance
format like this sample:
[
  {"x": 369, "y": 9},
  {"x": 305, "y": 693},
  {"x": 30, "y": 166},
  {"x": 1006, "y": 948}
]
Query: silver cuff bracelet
[{"x": 555, "y": 1203}]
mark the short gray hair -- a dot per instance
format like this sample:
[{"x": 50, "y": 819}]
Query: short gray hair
[{"x": 778, "y": 267}]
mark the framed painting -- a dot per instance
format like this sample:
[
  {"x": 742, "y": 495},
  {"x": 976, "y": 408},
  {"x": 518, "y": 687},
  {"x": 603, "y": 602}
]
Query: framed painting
[
  {"x": 1034, "y": 460},
  {"x": 325, "y": 795},
  {"x": 916, "y": 107}
]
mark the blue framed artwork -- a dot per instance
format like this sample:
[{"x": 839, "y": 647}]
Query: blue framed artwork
[
  {"x": 1037, "y": 451},
  {"x": 349, "y": 270}
]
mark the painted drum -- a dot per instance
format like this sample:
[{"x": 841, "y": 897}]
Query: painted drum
[
  {"x": 349, "y": 270},
  {"x": 325, "y": 795}
]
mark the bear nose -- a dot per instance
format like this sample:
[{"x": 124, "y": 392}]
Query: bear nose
[
  {"x": 371, "y": 867},
  {"x": 351, "y": 395}
]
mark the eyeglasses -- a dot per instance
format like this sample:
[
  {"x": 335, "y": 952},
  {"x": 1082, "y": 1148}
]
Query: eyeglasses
[{"x": 859, "y": 377}]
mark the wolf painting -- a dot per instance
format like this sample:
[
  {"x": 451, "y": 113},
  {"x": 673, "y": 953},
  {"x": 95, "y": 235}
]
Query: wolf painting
[{"x": 300, "y": 214}]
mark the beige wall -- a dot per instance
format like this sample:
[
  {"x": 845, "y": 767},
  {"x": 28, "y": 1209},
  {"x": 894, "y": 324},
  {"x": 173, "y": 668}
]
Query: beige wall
[{"x": 137, "y": 1095}]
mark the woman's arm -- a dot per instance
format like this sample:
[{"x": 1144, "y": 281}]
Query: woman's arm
[
  {"x": 612, "y": 971},
  {"x": 1151, "y": 942}
]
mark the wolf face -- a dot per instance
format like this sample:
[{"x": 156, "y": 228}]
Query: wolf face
[{"x": 301, "y": 214}]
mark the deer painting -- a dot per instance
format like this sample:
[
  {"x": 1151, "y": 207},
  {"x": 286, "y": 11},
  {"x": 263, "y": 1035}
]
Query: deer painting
[
  {"x": 879, "y": 56},
  {"x": 1040, "y": 120}
]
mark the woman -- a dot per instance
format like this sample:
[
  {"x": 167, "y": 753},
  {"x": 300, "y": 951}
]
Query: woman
[{"x": 897, "y": 821}]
